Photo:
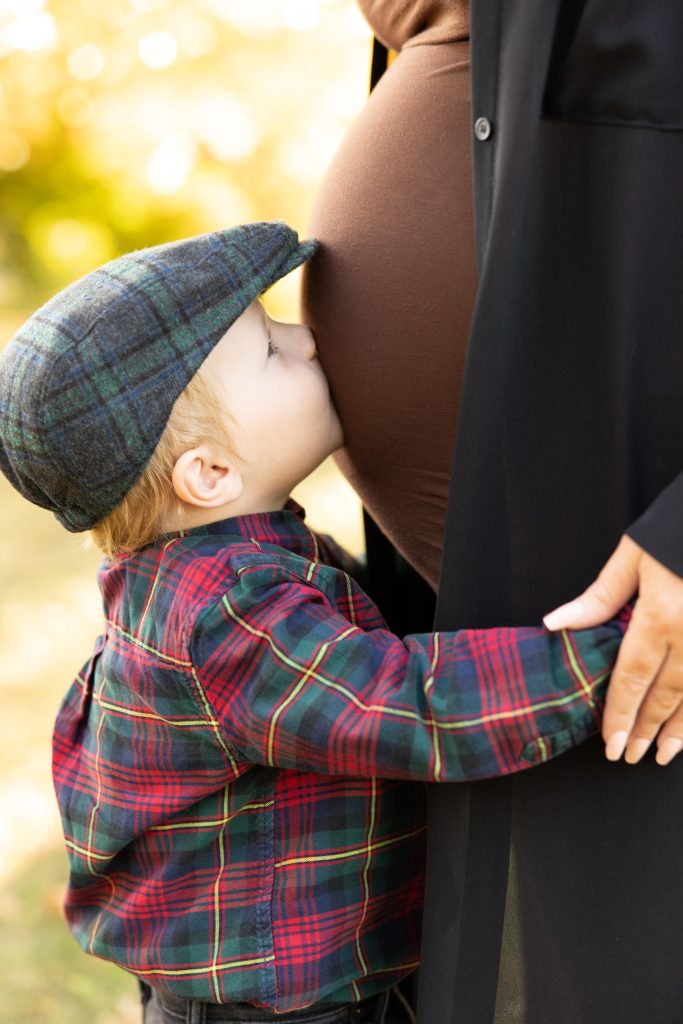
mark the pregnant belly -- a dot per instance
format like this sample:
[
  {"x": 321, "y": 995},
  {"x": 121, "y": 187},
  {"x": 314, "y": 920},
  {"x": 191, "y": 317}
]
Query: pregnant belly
[{"x": 390, "y": 295}]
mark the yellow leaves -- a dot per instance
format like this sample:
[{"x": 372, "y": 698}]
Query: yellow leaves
[
  {"x": 128, "y": 123},
  {"x": 68, "y": 245}
]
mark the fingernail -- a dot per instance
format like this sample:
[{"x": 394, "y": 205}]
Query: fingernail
[
  {"x": 615, "y": 746},
  {"x": 550, "y": 620},
  {"x": 635, "y": 750},
  {"x": 668, "y": 750}
]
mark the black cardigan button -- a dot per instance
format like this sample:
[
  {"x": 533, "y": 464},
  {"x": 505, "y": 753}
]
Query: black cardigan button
[{"x": 482, "y": 128}]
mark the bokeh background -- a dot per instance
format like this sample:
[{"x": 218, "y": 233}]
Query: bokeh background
[{"x": 125, "y": 124}]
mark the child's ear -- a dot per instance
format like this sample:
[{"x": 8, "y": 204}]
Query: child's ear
[{"x": 206, "y": 478}]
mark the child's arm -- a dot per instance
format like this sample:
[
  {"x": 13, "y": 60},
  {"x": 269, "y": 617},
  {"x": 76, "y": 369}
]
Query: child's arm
[{"x": 294, "y": 684}]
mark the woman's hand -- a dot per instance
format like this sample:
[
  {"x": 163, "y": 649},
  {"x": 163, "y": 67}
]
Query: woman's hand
[{"x": 646, "y": 688}]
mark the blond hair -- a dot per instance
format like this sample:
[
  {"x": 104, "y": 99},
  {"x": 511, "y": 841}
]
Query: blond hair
[{"x": 198, "y": 417}]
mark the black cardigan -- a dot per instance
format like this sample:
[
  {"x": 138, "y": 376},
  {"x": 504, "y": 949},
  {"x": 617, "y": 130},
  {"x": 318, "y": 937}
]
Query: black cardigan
[{"x": 570, "y": 433}]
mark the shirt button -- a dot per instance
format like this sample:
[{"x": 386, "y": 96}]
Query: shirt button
[{"x": 482, "y": 128}]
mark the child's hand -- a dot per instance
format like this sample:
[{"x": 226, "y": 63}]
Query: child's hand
[{"x": 646, "y": 689}]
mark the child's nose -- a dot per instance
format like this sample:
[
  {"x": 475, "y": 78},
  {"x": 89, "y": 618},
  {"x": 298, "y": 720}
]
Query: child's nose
[
  {"x": 314, "y": 347},
  {"x": 309, "y": 347}
]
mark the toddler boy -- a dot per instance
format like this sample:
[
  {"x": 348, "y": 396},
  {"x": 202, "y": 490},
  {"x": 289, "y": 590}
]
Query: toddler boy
[{"x": 239, "y": 765}]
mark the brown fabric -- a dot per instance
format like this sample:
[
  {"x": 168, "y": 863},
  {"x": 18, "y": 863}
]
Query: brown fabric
[
  {"x": 390, "y": 295},
  {"x": 400, "y": 23}
]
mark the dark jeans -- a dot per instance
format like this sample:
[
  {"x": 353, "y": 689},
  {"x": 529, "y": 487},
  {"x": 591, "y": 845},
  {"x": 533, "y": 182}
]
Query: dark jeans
[{"x": 388, "y": 1007}]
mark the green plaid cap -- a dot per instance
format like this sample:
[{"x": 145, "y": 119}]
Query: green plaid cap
[{"x": 88, "y": 383}]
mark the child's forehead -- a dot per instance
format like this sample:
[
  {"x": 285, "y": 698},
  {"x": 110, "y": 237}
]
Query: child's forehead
[
  {"x": 256, "y": 313},
  {"x": 251, "y": 319},
  {"x": 255, "y": 309}
]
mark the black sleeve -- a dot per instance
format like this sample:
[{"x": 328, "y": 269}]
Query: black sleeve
[{"x": 659, "y": 530}]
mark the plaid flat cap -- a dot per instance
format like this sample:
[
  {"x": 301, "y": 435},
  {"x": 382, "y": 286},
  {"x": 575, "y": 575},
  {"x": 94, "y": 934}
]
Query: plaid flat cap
[{"x": 88, "y": 383}]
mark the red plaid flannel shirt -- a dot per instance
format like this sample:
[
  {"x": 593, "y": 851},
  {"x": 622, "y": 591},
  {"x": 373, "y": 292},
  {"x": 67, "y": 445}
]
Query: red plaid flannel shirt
[{"x": 240, "y": 764}]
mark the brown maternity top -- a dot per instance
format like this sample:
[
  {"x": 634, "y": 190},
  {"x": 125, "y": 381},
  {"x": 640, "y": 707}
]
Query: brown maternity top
[{"x": 390, "y": 295}]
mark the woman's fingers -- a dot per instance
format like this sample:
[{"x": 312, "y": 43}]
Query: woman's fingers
[
  {"x": 641, "y": 657},
  {"x": 646, "y": 689},
  {"x": 662, "y": 701},
  {"x": 670, "y": 739}
]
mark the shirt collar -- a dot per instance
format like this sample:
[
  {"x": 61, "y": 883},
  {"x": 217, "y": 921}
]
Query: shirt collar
[{"x": 286, "y": 528}]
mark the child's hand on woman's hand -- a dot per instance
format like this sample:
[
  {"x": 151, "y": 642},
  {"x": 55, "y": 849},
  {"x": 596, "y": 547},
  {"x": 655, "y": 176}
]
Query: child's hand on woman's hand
[{"x": 646, "y": 688}]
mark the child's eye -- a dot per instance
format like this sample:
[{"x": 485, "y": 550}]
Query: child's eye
[{"x": 272, "y": 347}]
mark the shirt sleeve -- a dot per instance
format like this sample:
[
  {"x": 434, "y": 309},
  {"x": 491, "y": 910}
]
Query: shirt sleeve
[
  {"x": 659, "y": 530},
  {"x": 294, "y": 684}
]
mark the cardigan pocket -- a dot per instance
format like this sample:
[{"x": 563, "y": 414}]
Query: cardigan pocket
[{"x": 617, "y": 62}]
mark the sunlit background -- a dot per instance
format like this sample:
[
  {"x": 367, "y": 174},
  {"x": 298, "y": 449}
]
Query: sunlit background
[{"x": 123, "y": 124}]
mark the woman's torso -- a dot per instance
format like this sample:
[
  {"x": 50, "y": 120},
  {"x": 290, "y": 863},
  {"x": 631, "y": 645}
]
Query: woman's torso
[
  {"x": 401, "y": 22},
  {"x": 390, "y": 296}
]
